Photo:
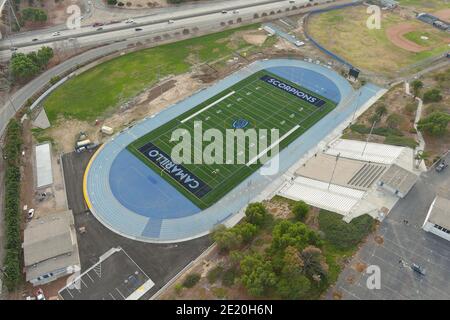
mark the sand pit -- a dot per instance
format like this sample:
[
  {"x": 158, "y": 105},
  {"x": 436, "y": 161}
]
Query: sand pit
[{"x": 395, "y": 35}]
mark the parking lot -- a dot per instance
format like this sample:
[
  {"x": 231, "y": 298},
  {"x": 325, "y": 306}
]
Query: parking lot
[
  {"x": 161, "y": 262},
  {"x": 398, "y": 243},
  {"x": 115, "y": 277}
]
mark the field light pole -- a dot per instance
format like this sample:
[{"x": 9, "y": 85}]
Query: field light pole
[
  {"x": 334, "y": 169},
  {"x": 368, "y": 137}
]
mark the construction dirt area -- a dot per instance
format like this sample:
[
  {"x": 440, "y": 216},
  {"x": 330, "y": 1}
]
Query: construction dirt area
[{"x": 55, "y": 10}]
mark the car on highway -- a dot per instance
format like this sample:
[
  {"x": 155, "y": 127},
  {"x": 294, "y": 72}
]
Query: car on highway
[
  {"x": 57, "y": 33},
  {"x": 170, "y": 21},
  {"x": 35, "y": 39},
  {"x": 13, "y": 49},
  {"x": 441, "y": 166},
  {"x": 98, "y": 29},
  {"x": 138, "y": 29},
  {"x": 224, "y": 11},
  {"x": 97, "y": 24},
  {"x": 129, "y": 21}
]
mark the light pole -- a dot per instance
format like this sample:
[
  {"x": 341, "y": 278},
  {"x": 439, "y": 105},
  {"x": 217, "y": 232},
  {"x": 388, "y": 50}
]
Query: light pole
[{"x": 334, "y": 168}]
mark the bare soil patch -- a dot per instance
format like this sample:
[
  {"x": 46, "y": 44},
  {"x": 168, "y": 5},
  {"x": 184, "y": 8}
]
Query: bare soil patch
[
  {"x": 443, "y": 14},
  {"x": 396, "y": 35}
]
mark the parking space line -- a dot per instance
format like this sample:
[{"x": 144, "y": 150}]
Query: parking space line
[
  {"x": 111, "y": 296},
  {"x": 117, "y": 289},
  {"x": 90, "y": 277}
]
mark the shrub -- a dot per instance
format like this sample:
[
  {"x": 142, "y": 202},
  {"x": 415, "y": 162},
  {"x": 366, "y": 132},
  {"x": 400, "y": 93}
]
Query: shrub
[
  {"x": 435, "y": 124},
  {"x": 214, "y": 274},
  {"x": 229, "y": 277},
  {"x": 13, "y": 144},
  {"x": 344, "y": 235},
  {"x": 411, "y": 107},
  {"x": 394, "y": 120},
  {"x": 112, "y": 2},
  {"x": 191, "y": 280},
  {"x": 401, "y": 141},
  {"x": 300, "y": 210},
  {"x": 433, "y": 95}
]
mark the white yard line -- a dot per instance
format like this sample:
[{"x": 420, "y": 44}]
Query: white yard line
[
  {"x": 208, "y": 106},
  {"x": 272, "y": 145}
]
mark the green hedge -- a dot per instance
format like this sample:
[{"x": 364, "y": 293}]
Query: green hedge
[
  {"x": 341, "y": 234},
  {"x": 359, "y": 128},
  {"x": 13, "y": 144}
]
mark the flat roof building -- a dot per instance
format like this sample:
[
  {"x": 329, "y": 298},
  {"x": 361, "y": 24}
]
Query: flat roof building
[
  {"x": 397, "y": 180},
  {"x": 50, "y": 248},
  {"x": 438, "y": 218}
]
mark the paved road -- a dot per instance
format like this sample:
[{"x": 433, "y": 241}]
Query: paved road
[
  {"x": 401, "y": 245},
  {"x": 197, "y": 16}
]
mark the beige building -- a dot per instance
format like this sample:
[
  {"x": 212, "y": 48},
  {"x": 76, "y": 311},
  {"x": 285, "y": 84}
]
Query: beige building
[
  {"x": 438, "y": 218},
  {"x": 50, "y": 248},
  {"x": 397, "y": 180}
]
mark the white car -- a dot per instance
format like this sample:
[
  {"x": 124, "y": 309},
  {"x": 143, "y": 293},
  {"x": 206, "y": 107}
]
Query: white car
[
  {"x": 299, "y": 43},
  {"x": 170, "y": 21},
  {"x": 57, "y": 33},
  {"x": 129, "y": 21}
]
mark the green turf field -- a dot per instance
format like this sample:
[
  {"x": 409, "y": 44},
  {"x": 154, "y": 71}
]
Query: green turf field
[{"x": 261, "y": 104}]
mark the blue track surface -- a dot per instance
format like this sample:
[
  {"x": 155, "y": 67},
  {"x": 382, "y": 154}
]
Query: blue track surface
[
  {"x": 131, "y": 199},
  {"x": 144, "y": 192}
]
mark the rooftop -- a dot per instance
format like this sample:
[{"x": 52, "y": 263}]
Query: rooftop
[
  {"x": 399, "y": 179},
  {"x": 50, "y": 244},
  {"x": 440, "y": 212}
]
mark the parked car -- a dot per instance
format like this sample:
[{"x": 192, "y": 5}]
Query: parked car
[
  {"x": 418, "y": 269},
  {"x": 441, "y": 166}
]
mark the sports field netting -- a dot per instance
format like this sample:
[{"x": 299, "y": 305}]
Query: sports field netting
[{"x": 252, "y": 101}]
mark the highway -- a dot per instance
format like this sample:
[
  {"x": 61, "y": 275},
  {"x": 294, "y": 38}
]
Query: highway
[
  {"x": 89, "y": 35},
  {"x": 117, "y": 40}
]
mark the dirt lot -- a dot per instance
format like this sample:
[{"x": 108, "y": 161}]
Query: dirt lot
[
  {"x": 149, "y": 102},
  {"x": 56, "y": 11}
]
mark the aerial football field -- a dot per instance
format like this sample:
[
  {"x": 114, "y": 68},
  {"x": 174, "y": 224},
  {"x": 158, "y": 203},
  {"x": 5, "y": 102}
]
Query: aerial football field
[{"x": 260, "y": 101}]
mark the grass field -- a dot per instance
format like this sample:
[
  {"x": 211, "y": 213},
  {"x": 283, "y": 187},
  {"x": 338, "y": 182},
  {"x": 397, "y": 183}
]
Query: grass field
[
  {"x": 114, "y": 82},
  {"x": 344, "y": 32},
  {"x": 261, "y": 104}
]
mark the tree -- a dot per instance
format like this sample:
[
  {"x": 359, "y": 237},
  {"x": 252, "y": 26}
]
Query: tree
[
  {"x": 435, "y": 124},
  {"x": 286, "y": 233},
  {"x": 22, "y": 66},
  {"x": 300, "y": 210},
  {"x": 34, "y": 14},
  {"x": 416, "y": 86},
  {"x": 295, "y": 287},
  {"x": 226, "y": 239},
  {"x": 44, "y": 55},
  {"x": 422, "y": 156},
  {"x": 433, "y": 95},
  {"x": 246, "y": 231},
  {"x": 314, "y": 263},
  {"x": 257, "y": 274},
  {"x": 256, "y": 213}
]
